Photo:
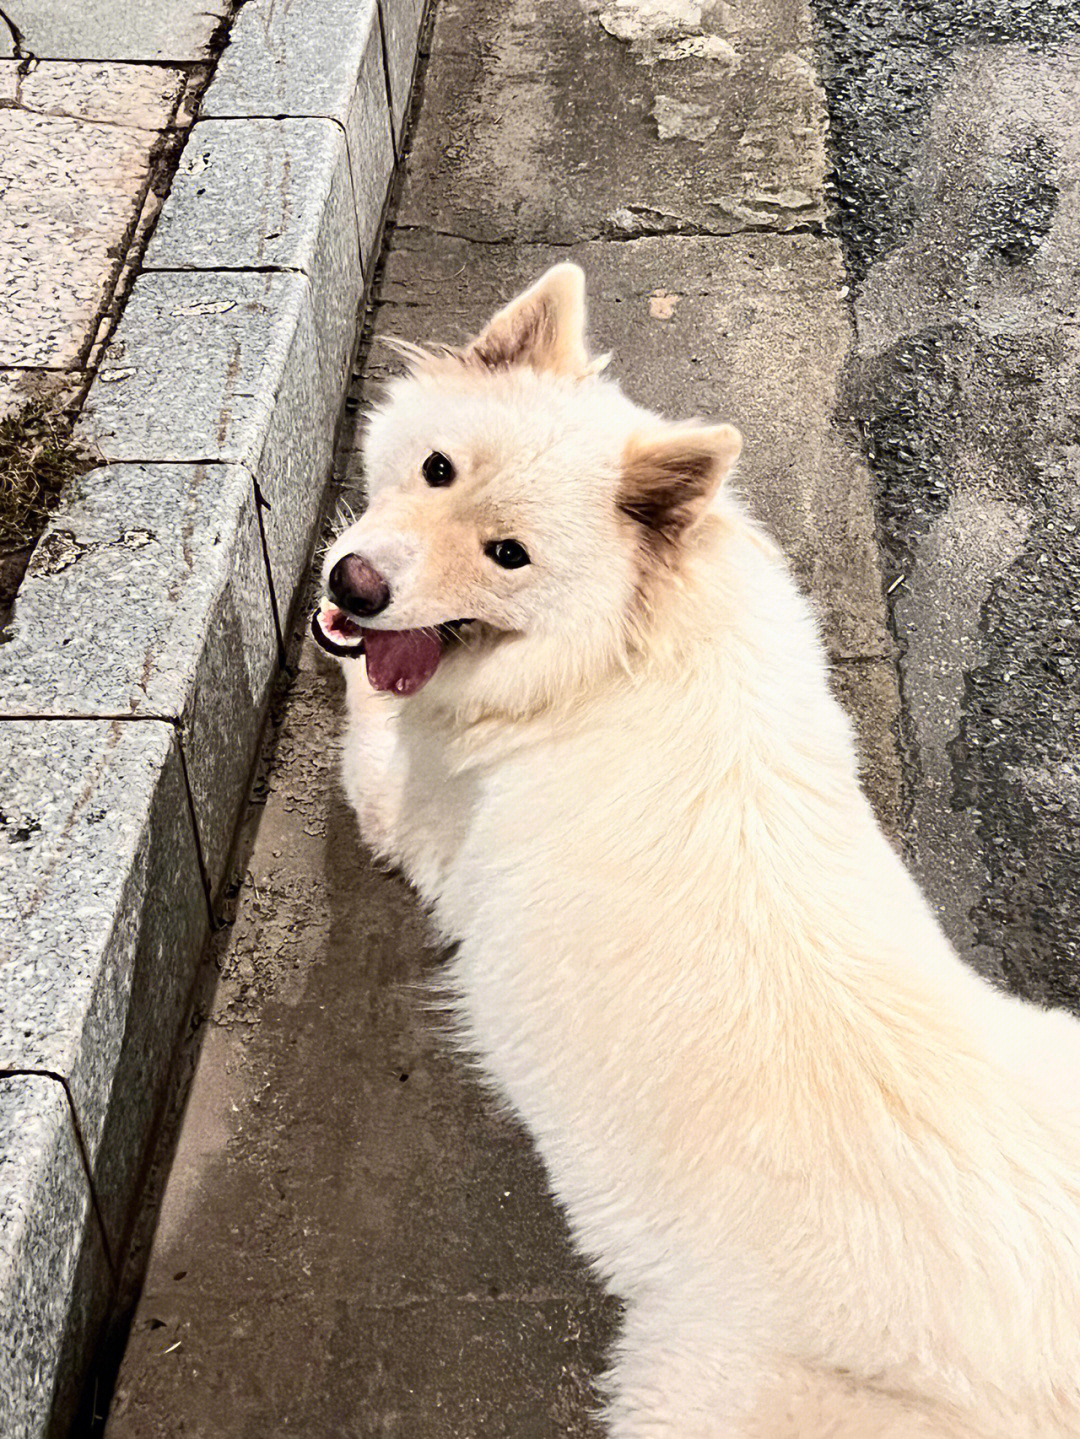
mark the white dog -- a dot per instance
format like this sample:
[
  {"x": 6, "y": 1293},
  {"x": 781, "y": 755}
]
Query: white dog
[{"x": 834, "y": 1175}]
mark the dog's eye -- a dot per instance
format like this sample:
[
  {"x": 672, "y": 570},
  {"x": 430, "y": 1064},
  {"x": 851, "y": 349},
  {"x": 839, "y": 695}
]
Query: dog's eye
[
  {"x": 438, "y": 470},
  {"x": 507, "y": 553}
]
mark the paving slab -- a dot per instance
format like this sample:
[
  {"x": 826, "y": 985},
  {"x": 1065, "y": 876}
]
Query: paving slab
[
  {"x": 318, "y": 58},
  {"x": 103, "y": 30},
  {"x": 576, "y": 120},
  {"x": 71, "y": 191},
  {"x": 750, "y": 329},
  {"x": 268, "y": 194},
  {"x": 47, "y": 1234},
  {"x": 355, "y": 1240},
  {"x": 247, "y": 382},
  {"x": 102, "y": 915},
  {"x": 142, "y": 97},
  {"x": 148, "y": 596}
]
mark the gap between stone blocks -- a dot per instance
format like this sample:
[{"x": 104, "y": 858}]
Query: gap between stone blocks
[
  {"x": 686, "y": 232},
  {"x": 84, "y": 1158},
  {"x": 385, "y": 53}
]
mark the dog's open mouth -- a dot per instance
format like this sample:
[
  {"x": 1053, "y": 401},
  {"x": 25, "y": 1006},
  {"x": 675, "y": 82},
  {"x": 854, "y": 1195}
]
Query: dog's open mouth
[{"x": 401, "y": 661}]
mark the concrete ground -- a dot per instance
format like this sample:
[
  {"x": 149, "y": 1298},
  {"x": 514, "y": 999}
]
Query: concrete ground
[{"x": 352, "y": 1241}]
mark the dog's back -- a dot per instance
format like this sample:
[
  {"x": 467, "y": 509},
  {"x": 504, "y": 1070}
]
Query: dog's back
[{"x": 707, "y": 983}]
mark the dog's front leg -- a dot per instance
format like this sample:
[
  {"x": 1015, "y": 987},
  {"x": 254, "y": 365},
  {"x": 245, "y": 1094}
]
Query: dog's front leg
[
  {"x": 373, "y": 766},
  {"x": 680, "y": 1374},
  {"x": 676, "y": 1377}
]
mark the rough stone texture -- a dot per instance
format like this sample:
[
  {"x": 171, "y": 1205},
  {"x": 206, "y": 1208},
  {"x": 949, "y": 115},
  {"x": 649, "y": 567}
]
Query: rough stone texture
[
  {"x": 247, "y": 383},
  {"x": 105, "y": 30},
  {"x": 227, "y": 338},
  {"x": 92, "y": 1295},
  {"x": 318, "y": 58},
  {"x": 148, "y": 595},
  {"x": 137, "y": 96},
  {"x": 354, "y": 1241},
  {"x": 753, "y": 331},
  {"x": 401, "y": 22},
  {"x": 48, "y": 1237},
  {"x": 960, "y": 226},
  {"x": 587, "y": 118},
  {"x": 371, "y": 148},
  {"x": 71, "y": 189},
  {"x": 102, "y": 913},
  {"x": 262, "y": 194}
]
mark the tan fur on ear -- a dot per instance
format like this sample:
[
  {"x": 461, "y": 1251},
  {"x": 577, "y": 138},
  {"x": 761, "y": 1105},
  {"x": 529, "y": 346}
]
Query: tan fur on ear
[
  {"x": 670, "y": 475},
  {"x": 544, "y": 327}
]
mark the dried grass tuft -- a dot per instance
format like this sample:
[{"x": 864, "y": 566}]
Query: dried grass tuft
[{"x": 37, "y": 459}]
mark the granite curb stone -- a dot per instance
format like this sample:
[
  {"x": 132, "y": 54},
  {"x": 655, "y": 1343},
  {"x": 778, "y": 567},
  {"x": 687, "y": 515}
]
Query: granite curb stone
[
  {"x": 147, "y": 596},
  {"x": 401, "y": 22},
  {"x": 102, "y": 909},
  {"x": 135, "y": 671},
  {"x": 258, "y": 389},
  {"x": 46, "y": 1227},
  {"x": 290, "y": 57},
  {"x": 268, "y": 195}
]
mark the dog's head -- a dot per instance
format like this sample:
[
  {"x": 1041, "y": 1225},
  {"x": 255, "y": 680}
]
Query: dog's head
[{"x": 519, "y": 507}]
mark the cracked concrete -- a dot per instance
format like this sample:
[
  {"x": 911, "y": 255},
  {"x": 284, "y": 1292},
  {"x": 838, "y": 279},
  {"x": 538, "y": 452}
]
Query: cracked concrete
[{"x": 575, "y": 119}]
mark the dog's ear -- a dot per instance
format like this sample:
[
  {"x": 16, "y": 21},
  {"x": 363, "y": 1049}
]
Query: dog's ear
[
  {"x": 544, "y": 327},
  {"x": 670, "y": 475}
]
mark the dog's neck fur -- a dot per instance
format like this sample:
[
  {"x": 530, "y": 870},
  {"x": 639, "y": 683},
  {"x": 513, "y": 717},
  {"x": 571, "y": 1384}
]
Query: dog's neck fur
[{"x": 770, "y": 754}]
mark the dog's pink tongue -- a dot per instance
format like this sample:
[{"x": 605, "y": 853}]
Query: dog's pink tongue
[{"x": 402, "y": 660}]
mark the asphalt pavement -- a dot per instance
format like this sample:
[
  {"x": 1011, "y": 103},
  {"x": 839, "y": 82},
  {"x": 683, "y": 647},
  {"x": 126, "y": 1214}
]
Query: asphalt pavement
[{"x": 956, "y": 134}]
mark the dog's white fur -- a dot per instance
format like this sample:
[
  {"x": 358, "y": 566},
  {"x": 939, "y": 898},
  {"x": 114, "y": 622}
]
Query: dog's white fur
[{"x": 835, "y": 1176}]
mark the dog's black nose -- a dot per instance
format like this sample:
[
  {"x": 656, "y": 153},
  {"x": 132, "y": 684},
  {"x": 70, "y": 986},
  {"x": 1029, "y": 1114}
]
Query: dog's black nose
[{"x": 357, "y": 587}]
